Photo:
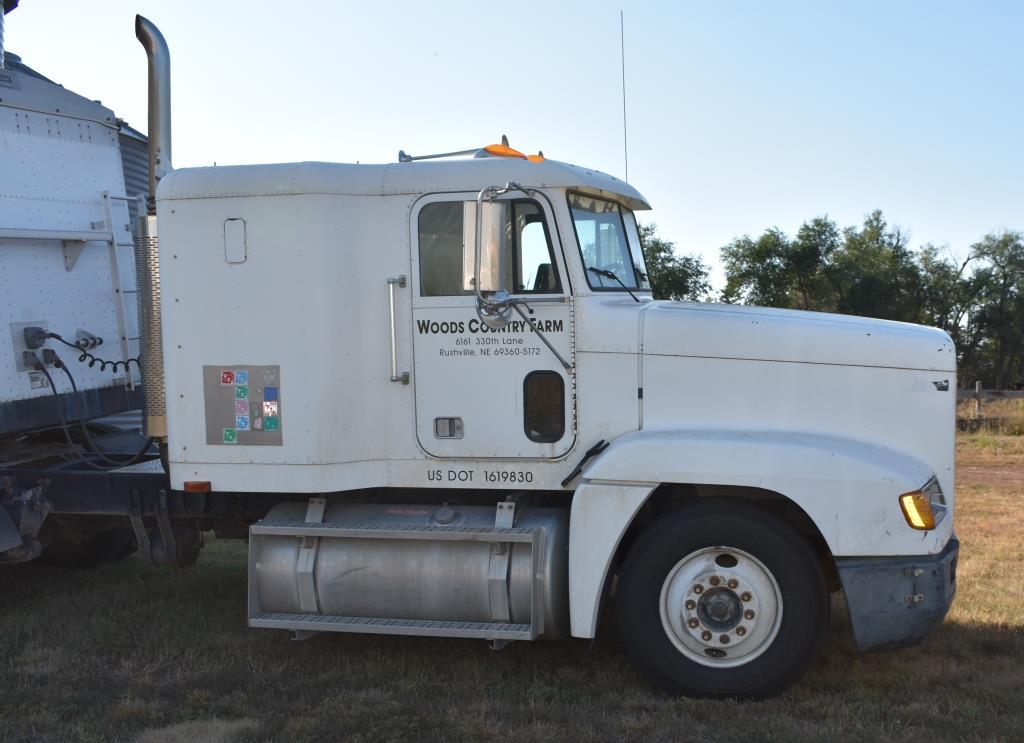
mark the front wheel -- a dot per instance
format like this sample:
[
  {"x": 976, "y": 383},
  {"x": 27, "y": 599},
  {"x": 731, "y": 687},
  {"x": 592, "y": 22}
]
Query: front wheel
[{"x": 722, "y": 599}]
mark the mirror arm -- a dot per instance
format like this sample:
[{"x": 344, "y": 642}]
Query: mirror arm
[{"x": 535, "y": 329}]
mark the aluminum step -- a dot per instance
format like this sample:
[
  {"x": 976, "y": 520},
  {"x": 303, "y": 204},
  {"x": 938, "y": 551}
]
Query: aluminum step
[
  {"x": 377, "y": 626},
  {"x": 359, "y": 530}
]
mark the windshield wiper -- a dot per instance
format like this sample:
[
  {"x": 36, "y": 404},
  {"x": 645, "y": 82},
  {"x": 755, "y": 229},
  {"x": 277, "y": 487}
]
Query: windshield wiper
[{"x": 611, "y": 275}]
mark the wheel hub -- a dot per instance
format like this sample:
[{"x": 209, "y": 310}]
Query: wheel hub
[{"x": 719, "y": 609}]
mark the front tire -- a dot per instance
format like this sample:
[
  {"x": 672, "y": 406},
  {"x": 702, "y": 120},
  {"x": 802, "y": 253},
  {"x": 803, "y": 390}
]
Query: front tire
[{"x": 722, "y": 599}]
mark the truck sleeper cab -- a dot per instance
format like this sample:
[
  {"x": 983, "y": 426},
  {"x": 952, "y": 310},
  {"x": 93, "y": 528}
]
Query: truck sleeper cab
[{"x": 524, "y": 443}]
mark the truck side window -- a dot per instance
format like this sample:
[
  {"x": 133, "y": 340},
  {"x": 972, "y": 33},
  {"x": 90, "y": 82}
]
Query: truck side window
[
  {"x": 440, "y": 228},
  {"x": 544, "y": 406},
  {"x": 530, "y": 261}
]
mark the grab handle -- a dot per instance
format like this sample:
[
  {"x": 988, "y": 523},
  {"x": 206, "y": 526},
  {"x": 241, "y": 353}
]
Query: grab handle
[{"x": 396, "y": 376}]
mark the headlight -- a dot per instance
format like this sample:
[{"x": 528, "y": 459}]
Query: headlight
[{"x": 925, "y": 508}]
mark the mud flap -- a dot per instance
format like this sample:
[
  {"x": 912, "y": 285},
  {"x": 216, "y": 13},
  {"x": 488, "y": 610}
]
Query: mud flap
[
  {"x": 21, "y": 517},
  {"x": 10, "y": 537}
]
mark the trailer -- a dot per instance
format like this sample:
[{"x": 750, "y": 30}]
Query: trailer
[{"x": 438, "y": 398}]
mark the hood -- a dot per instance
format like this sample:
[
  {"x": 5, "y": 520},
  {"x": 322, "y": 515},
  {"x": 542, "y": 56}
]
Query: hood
[{"x": 766, "y": 334}]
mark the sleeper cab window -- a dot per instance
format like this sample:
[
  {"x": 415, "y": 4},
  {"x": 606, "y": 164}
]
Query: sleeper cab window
[
  {"x": 544, "y": 406},
  {"x": 446, "y": 233}
]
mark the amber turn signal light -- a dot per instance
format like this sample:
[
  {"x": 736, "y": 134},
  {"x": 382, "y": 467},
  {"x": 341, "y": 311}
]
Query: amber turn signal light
[
  {"x": 917, "y": 510},
  {"x": 197, "y": 486}
]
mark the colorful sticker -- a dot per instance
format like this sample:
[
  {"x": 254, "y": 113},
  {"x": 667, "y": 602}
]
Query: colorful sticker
[
  {"x": 269, "y": 378},
  {"x": 241, "y": 376},
  {"x": 241, "y": 407},
  {"x": 270, "y": 422},
  {"x": 270, "y": 393},
  {"x": 241, "y": 393},
  {"x": 269, "y": 408},
  {"x": 257, "y": 424},
  {"x": 227, "y": 377},
  {"x": 242, "y": 422},
  {"x": 230, "y": 436}
]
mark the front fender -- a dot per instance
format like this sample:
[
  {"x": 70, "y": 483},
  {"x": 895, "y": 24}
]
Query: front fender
[{"x": 849, "y": 489}]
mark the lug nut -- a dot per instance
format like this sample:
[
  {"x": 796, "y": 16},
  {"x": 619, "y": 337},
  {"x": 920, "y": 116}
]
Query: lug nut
[
  {"x": 693, "y": 623},
  {"x": 714, "y": 580},
  {"x": 748, "y": 614},
  {"x": 741, "y": 631},
  {"x": 733, "y": 583},
  {"x": 698, "y": 588},
  {"x": 691, "y": 604},
  {"x": 705, "y": 636},
  {"x": 724, "y": 639},
  {"x": 746, "y": 596}
]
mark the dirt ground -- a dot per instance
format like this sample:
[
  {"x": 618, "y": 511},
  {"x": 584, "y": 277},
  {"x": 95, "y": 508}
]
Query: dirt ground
[{"x": 134, "y": 652}]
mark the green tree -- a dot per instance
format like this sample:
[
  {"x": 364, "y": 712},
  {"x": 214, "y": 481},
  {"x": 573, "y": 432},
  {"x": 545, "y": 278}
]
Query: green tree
[
  {"x": 673, "y": 276},
  {"x": 998, "y": 311},
  {"x": 874, "y": 273},
  {"x": 810, "y": 254},
  {"x": 775, "y": 271},
  {"x": 758, "y": 271}
]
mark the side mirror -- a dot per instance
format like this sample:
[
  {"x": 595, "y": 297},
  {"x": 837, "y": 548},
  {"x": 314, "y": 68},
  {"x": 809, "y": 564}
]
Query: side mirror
[
  {"x": 484, "y": 252},
  {"x": 492, "y": 238}
]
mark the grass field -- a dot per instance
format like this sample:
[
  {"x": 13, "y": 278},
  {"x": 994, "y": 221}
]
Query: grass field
[
  {"x": 135, "y": 652},
  {"x": 994, "y": 416}
]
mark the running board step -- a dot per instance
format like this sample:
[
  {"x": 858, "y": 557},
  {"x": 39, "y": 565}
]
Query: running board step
[{"x": 375, "y": 626}]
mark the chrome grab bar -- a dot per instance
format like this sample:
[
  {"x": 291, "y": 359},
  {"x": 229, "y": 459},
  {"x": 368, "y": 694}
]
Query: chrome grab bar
[{"x": 402, "y": 377}]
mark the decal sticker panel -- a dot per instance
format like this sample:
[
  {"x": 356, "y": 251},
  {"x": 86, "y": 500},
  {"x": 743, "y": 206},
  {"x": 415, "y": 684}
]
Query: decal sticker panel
[{"x": 243, "y": 405}]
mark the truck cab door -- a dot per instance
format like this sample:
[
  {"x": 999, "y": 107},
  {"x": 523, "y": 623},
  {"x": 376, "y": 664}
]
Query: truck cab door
[{"x": 483, "y": 393}]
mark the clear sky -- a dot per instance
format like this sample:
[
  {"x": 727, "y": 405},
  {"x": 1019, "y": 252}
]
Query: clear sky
[{"x": 742, "y": 115}]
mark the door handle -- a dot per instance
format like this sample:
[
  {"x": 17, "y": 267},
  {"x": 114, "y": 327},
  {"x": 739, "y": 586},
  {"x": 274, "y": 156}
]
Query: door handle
[{"x": 396, "y": 376}]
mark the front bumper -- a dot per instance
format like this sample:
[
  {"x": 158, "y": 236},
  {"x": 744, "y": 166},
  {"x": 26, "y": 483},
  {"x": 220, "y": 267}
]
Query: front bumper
[{"x": 896, "y": 601}]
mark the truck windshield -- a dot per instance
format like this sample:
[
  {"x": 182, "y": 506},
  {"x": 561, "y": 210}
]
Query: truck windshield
[{"x": 608, "y": 239}]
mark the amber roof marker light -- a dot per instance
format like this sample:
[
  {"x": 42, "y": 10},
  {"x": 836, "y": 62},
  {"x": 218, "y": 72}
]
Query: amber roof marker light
[{"x": 502, "y": 150}]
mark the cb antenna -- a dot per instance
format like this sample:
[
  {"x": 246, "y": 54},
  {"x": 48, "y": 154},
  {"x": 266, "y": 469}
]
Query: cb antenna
[{"x": 622, "y": 51}]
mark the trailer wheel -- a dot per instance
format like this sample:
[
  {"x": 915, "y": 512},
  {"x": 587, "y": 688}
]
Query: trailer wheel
[
  {"x": 97, "y": 549},
  {"x": 722, "y": 600}
]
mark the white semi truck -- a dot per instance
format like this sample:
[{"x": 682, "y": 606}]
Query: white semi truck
[{"x": 439, "y": 399}]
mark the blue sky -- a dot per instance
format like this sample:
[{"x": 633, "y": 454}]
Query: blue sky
[{"x": 742, "y": 115}]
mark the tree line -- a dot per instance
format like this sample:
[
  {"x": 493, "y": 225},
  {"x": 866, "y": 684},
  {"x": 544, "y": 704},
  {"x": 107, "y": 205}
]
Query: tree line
[{"x": 871, "y": 270}]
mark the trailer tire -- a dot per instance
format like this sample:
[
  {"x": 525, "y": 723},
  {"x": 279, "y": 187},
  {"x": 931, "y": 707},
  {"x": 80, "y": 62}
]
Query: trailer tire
[
  {"x": 723, "y": 599},
  {"x": 97, "y": 549}
]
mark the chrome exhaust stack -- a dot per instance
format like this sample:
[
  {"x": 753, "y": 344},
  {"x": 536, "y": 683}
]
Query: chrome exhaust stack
[
  {"x": 147, "y": 259},
  {"x": 159, "y": 132},
  {"x": 3, "y": 12}
]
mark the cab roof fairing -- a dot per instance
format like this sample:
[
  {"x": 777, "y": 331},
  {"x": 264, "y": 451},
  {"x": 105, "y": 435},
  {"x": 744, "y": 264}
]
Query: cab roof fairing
[{"x": 413, "y": 178}]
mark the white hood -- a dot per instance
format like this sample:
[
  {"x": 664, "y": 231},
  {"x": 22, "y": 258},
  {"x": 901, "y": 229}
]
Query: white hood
[{"x": 760, "y": 333}]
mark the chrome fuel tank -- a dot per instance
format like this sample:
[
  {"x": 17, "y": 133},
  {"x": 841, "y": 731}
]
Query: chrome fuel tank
[{"x": 429, "y": 562}]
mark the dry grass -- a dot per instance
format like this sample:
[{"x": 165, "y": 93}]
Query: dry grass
[
  {"x": 132, "y": 652},
  {"x": 995, "y": 416}
]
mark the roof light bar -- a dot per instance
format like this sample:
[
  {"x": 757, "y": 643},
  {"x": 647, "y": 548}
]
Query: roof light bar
[{"x": 491, "y": 150}]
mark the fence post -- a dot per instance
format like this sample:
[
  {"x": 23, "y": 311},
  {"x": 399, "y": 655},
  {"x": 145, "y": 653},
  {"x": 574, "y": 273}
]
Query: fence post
[{"x": 977, "y": 399}]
